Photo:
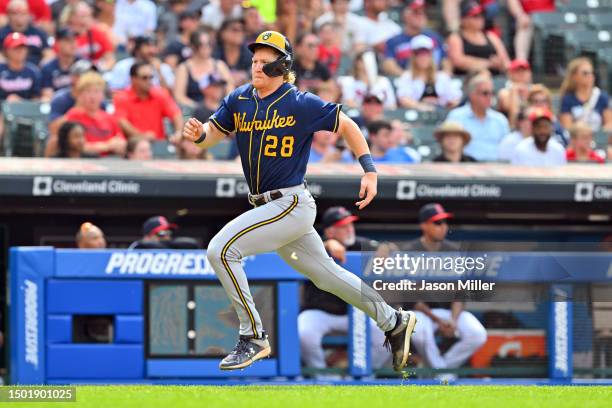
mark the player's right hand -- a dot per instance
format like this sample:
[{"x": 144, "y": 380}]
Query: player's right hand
[
  {"x": 193, "y": 129},
  {"x": 368, "y": 190}
]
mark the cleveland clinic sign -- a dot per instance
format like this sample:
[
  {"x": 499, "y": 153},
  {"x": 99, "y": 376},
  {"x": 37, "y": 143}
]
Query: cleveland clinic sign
[{"x": 411, "y": 189}]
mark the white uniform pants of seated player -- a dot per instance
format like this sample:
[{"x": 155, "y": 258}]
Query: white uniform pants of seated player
[
  {"x": 315, "y": 324},
  {"x": 471, "y": 333}
]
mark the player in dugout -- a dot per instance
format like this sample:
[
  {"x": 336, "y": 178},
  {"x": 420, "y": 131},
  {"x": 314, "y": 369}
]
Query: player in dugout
[
  {"x": 446, "y": 319},
  {"x": 90, "y": 236}
]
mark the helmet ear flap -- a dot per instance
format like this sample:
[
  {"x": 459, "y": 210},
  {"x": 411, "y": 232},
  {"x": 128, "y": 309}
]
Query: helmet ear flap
[{"x": 280, "y": 67}]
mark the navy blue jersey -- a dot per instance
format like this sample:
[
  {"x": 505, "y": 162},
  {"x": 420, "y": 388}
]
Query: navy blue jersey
[
  {"x": 53, "y": 76},
  {"x": 24, "y": 83},
  {"x": 36, "y": 39},
  {"x": 274, "y": 134}
]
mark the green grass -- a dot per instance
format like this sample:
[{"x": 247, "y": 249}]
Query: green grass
[{"x": 333, "y": 396}]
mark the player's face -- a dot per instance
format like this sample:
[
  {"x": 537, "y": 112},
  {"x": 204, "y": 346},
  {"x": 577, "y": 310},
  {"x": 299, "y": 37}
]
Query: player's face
[
  {"x": 343, "y": 233},
  {"x": 261, "y": 57},
  {"x": 435, "y": 230}
]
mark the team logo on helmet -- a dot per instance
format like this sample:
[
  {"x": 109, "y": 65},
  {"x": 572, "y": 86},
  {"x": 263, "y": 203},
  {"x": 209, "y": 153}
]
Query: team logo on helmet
[{"x": 266, "y": 36}]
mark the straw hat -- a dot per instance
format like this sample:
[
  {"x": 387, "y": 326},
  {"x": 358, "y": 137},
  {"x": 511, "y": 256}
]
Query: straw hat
[{"x": 452, "y": 127}]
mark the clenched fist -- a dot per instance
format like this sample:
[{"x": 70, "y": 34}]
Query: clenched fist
[{"x": 193, "y": 129}]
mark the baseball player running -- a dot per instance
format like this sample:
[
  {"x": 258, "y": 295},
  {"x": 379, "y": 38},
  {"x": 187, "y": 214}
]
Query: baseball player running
[{"x": 274, "y": 123}]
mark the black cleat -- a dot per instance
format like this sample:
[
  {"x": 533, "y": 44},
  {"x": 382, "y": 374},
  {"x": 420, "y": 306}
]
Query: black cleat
[
  {"x": 398, "y": 339},
  {"x": 248, "y": 350}
]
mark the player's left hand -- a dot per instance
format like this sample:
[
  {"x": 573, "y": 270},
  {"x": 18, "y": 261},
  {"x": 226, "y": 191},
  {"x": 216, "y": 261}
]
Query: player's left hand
[{"x": 368, "y": 189}]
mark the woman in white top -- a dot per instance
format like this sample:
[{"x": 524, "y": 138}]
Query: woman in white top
[
  {"x": 423, "y": 87},
  {"x": 364, "y": 80}
]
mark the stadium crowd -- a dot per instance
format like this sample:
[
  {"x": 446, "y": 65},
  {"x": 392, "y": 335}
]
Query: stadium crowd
[{"x": 120, "y": 76}]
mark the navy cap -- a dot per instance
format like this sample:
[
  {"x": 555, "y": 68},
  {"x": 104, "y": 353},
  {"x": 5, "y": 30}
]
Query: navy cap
[
  {"x": 433, "y": 212},
  {"x": 156, "y": 224},
  {"x": 337, "y": 216}
]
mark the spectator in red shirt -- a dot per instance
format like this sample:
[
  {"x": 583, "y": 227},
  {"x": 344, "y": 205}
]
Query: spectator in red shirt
[
  {"x": 93, "y": 43},
  {"x": 141, "y": 108},
  {"x": 102, "y": 131},
  {"x": 329, "y": 51},
  {"x": 581, "y": 142},
  {"x": 39, "y": 10}
]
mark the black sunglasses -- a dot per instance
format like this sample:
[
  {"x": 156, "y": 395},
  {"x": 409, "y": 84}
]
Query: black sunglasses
[{"x": 440, "y": 222}]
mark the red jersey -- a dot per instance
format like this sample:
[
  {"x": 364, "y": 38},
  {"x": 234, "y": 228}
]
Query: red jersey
[
  {"x": 99, "y": 127},
  {"x": 146, "y": 114},
  {"x": 93, "y": 45},
  {"x": 593, "y": 157},
  {"x": 330, "y": 57}
]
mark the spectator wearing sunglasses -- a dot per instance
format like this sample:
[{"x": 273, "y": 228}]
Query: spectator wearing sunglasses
[
  {"x": 433, "y": 221},
  {"x": 156, "y": 233},
  {"x": 486, "y": 125},
  {"x": 144, "y": 49},
  {"x": 142, "y": 108}
]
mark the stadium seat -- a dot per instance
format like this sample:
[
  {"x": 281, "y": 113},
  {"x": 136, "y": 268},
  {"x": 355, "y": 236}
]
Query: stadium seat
[
  {"x": 26, "y": 130},
  {"x": 548, "y": 54},
  {"x": 425, "y": 142},
  {"x": 346, "y": 64},
  {"x": 602, "y": 139},
  {"x": 163, "y": 150},
  {"x": 587, "y": 40},
  {"x": 604, "y": 68},
  {"x": 221, "y": 150},
  {"x": 585, "y": 6},
  {"x": 187, "y": 111},
  {"x": 601, "y": 20},
  {"x": 416, "y": 117}
]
